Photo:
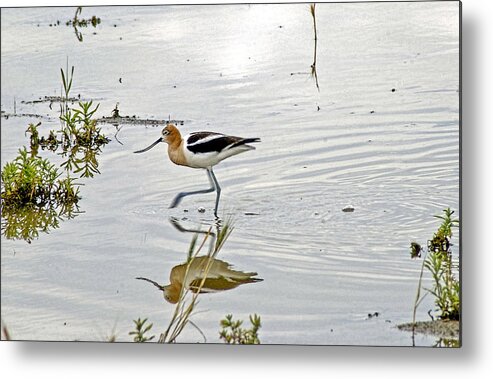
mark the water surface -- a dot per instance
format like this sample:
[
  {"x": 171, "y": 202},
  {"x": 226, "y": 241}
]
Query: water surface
[{"x": 243, "y": 70}]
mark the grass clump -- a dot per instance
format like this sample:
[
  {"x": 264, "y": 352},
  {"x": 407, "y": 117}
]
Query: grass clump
[{"x": 232, "y": 332}]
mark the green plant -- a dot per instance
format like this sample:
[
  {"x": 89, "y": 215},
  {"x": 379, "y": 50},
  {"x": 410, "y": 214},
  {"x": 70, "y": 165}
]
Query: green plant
[
  {"x": 233, "y": 333},
  {"x": 140, "y": 330},
  {"x": 439, "y": 263},
  {"x": 446, "y": 288},
  {"x": 67, "y": 79},
  {"x": 34, "y": 139},
  {"x": 86, "y": 138},
  {"x": 80, "y": 139},
  {"x": 447, "y": 342},
  {"x": 34, "y": 180},
  {"x": 34, "y": 197}
]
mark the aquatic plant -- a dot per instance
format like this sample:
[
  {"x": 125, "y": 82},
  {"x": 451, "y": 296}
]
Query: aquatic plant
[
  {"x": 67, "y": 79},
  {"x": 447, "y": 342},
  {"x": 233, "y": 333},
  {"x": 80, "y": 137},
  {"x": 314, "y": 64},
  {"x": 446, "y": 287},
  {"x": 33, "y": 180},
  {"x": 140, "y": 331},
  {"x": 34, "y": 196},
  {"x": 77, "y": 22},
  {"x": 439, "y": 263}
]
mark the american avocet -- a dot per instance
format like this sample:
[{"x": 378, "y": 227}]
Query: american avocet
[
  {"x": 203, "y": 275},
  {"x": 201, "y": 150}
]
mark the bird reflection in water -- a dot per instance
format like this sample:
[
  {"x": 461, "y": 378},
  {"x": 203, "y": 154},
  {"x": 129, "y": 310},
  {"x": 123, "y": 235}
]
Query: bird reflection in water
[{"x": 202, "y": 274}]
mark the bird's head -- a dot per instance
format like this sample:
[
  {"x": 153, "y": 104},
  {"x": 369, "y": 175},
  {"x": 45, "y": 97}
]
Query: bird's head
[
  {"x": 171, "y": 293},
  {"x": 170, "y": 135}
]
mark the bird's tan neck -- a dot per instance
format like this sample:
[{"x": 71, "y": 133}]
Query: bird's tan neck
[{"x": 175, "y": 152}]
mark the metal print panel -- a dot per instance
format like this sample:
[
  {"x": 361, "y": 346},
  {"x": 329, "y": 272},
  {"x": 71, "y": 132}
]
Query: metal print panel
[{"x": 232, "y": 174}]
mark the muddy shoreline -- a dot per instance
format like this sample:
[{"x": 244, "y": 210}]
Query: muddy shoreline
[{"x": 437, "y": 328}]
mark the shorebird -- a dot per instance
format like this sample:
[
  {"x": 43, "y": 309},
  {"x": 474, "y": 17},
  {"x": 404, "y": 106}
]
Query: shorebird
[
  {"x": 201, "y": 150},
  {"x": 203, "y": 275}
]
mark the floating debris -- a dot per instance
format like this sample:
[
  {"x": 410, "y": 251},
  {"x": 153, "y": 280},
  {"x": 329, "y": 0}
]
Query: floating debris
[
  {"x": 30, "y": 115},
  {"x": 134, "y": 120},
  {"x": 416, "y": 250},
  {"x": 201, "y": 209},
  {"x": 116, "y": 119},
  {"x": 348, "y": 208},
  {"x": 53, "y": 99}
]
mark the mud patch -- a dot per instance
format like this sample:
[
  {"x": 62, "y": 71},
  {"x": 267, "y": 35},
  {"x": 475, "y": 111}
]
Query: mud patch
[{"x": 438, "y": 328}]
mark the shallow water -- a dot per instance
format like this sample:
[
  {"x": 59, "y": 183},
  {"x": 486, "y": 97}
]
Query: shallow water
[{"x": 243, "y": 70}]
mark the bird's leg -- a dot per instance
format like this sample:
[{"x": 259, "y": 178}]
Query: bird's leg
[
  {"x": 181, "y": 195},
  {"x": 218, "y": 189}
]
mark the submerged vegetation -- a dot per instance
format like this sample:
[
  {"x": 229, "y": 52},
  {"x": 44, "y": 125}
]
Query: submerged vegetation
[{"x": 36, "y": 194}]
